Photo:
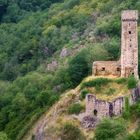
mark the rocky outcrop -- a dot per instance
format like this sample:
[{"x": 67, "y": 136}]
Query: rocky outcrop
[
  {"x": 89, "y": 121},
  {"x": 64, "y": 52},
  {"x": 52, "y": 66}
]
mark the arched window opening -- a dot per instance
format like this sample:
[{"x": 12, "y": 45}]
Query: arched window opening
[{"x": 95, "y": 112}]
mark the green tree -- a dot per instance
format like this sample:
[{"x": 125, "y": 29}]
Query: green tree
[
  {"x": 78, "y": 68},
  {"x": 110, "y": 130},
  {"x": 3, "y": 136}
]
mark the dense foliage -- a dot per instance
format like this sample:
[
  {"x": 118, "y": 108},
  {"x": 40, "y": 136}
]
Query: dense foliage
[
  {"x": 110, "y": 130},
  {"x": 32, "y": 34}
]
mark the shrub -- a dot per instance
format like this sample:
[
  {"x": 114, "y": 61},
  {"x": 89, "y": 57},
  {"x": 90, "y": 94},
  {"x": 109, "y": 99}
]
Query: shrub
[
  {"x": 83, "y": 94},
  {"x": 135, "y": 109},
  {"x": 132, "y": 82},
  {"x": 75, "y": 108},
  {"x": 121, "y": 80},
  {"x": 3, "y": 136},
  {"x": 126, "y": 113},
  {"x": 71, "y": 132},
  {"x": 134, "y": 136},
  {"x": 96, "y": 82},
  {"x": 110, "y": 130}
]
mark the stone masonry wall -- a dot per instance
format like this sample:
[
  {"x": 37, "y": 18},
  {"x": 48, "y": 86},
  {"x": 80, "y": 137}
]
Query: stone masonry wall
[
  {"x": 106, "y": 68},
  {"x": 102, "y": 108}
]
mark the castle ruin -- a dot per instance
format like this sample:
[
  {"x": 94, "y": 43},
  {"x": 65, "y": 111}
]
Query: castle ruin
[{"x": 128, "y": 63}]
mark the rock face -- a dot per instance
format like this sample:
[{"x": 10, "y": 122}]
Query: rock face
[
  {"x": 52, "y": 66},
  {"x": 102, "y": 108},
  {"x": 128, "y": 63},
  {"x": 89, "y": 121},
  {"x": 64, "y": 52}
]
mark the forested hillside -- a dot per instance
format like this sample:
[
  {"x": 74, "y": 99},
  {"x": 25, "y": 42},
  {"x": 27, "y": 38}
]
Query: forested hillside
[{"x": 33, "y": 33}]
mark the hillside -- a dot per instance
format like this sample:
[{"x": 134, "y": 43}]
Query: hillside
[
  {"x": 65, "y": 111},
  {"x": 47, "y": 48}
]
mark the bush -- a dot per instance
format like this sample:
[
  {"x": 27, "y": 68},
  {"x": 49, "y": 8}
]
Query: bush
[
  {"x": 134, "y": 136},
  {"x": 126, "y": 113},
  {"x": 135, "y": 109},
  {"x": 121, "y": 80},
  {"x": 110, "y": 130},
  {"x": 83, "y": 94},
  {"x": 132, "y": 82},
  {"x": 71, "y": 132},
  {"x": 96, "y": 82},
  {"x": 3, "y": 136},
  {"x": 75, "y": 108}
]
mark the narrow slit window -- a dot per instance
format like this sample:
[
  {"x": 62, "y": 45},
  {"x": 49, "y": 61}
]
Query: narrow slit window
[
  {"x": 118, "y": 69},
  {"x": 129, "y": 32}
]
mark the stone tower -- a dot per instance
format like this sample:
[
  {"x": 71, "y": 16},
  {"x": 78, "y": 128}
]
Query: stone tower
[{"x": 129, "y": 43}]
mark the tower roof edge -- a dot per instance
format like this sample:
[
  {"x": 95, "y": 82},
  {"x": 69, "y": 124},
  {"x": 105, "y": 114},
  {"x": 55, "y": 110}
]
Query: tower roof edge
[{"x": 129, "y": 15}]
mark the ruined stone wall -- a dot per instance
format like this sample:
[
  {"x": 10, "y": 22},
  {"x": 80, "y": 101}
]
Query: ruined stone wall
[
  {"x": 106, "y": 68},
  {"x": 102, "y": 108},
  {"x": 118, "y": 105},
  {"x": 96, "y": 107}
]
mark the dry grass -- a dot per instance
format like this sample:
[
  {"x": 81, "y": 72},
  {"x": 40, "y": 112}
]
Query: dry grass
[{"x": 109, "y": 91}]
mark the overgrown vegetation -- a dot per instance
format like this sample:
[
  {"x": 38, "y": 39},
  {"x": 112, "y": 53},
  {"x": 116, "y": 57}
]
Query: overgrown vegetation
[
  {"x": 132, "y": 82},
  {"x": 110, "y": 130},
  {"x": 96, "y": 82},
  {"x": 75, "y": 108},
  {"x": 126, "y": 113},
  {"x": 71, "y": 132},
  {"x": 83, "y": 94}
]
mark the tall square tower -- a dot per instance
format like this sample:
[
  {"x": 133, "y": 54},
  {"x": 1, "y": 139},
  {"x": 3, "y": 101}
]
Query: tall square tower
[{"x": 129, "y": 43}]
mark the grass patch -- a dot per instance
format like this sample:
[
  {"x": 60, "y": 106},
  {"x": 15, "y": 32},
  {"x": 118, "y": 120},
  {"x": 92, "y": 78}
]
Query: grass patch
[
  {"x": 98, "y": 82},
  {"x": 75, "y": 108},
  {"x": 111, "y": 91},
  {"x": 108, "y": 88}
]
